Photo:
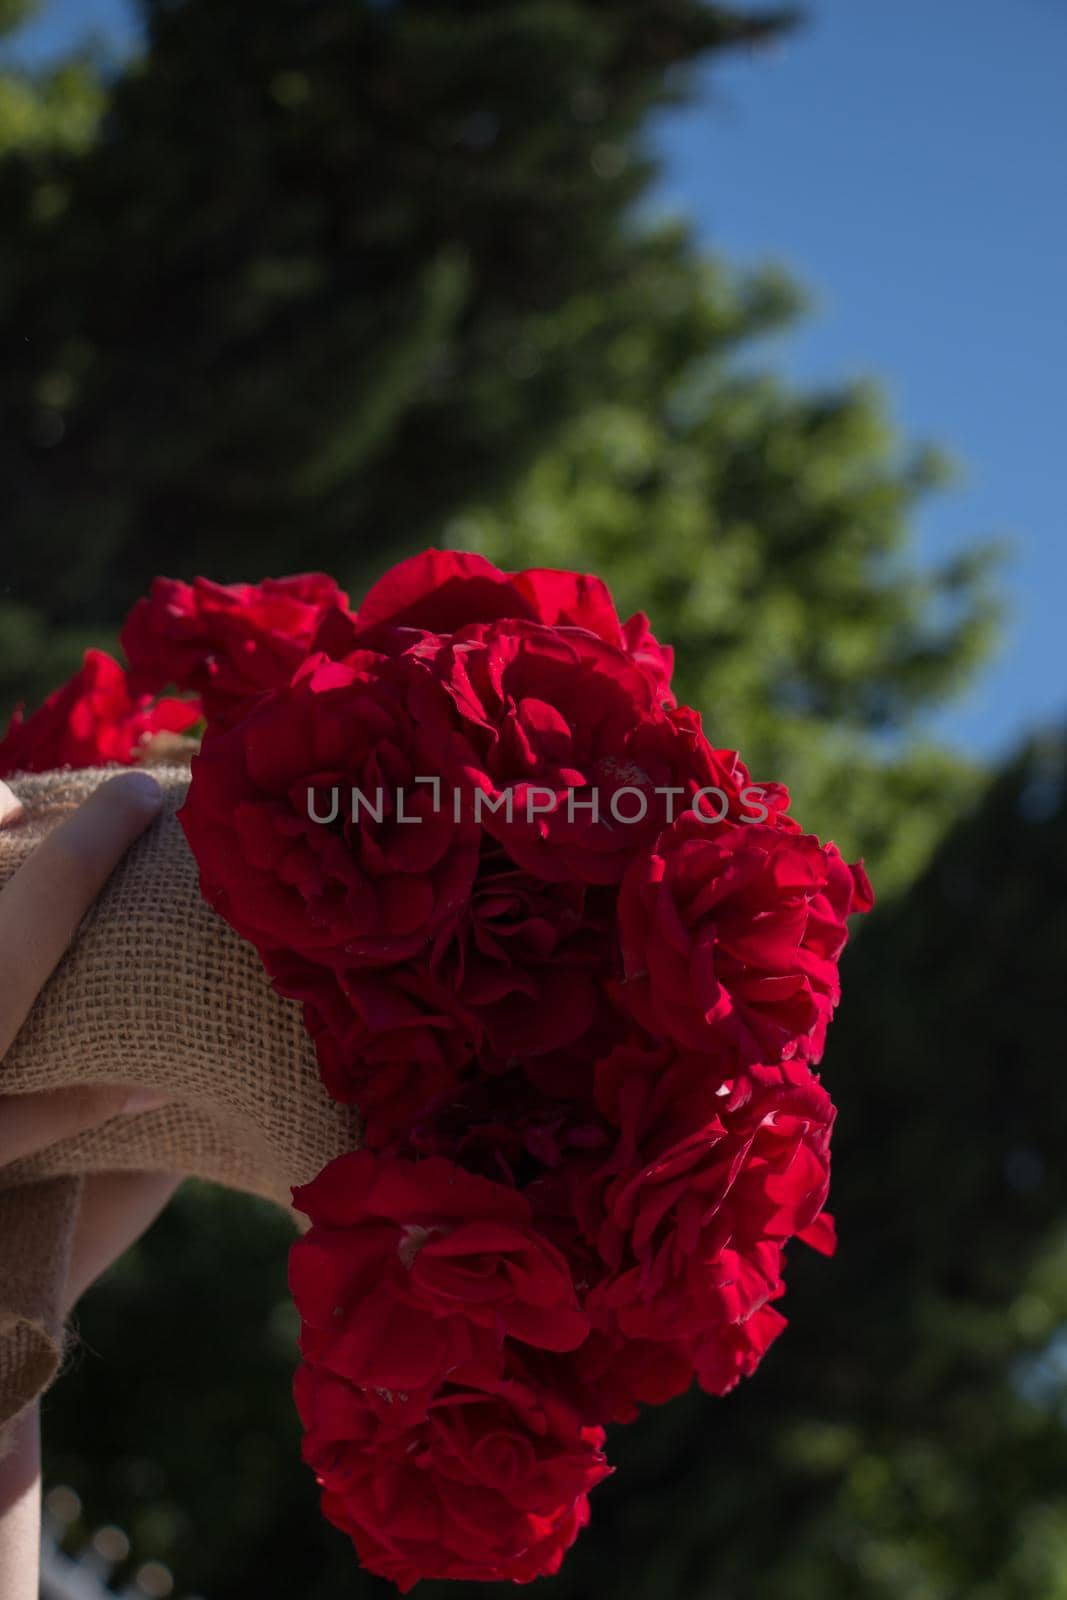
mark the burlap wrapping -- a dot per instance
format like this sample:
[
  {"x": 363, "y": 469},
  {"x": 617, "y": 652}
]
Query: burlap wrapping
[{"x": 155, "y": 991}]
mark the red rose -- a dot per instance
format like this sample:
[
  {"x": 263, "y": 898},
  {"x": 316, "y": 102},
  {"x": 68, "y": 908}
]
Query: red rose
[
  {"x": 527, "y": 959},
  {"x": 226, "y": 641},
  {"x": 92, "y": 720},
  {"x": 388, "y": 1042},
  {"x": 504, "y": 1127},
  {"x": 612, "y": 1376},
  {"x": 293, "y": 815},
  {"x": 752, "y": 1151},
  {"x": 521, "y": 973},
  {"x": 736, "y": 1350},
  {"x": 731, "y": 935},
  {"x": 709, "y": 1179},
  {"x": 411, "y": 1270},
  {"x": 442, "y": 591},
  {"x": 574, "y": 753},
  {"x": 490, "y": 1485}
]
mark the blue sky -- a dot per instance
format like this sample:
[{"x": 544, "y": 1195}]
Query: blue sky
[{"x": 905, "y": 160}]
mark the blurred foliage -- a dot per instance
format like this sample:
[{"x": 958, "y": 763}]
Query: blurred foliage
[
  {"x": 311, "y": 283},
  {"x": 270, "y": 315},
  {"x": 386, "y": 288},
  {"x": 13, "y": 13},
  {"x": 60, "y": 111}
]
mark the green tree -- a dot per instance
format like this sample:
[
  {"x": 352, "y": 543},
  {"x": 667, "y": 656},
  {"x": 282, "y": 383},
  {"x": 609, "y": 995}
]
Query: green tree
[
  {"x": 389, "y": 286},
  {"x": 766, "y": 532},
  {"x": 270, "y": 314}
]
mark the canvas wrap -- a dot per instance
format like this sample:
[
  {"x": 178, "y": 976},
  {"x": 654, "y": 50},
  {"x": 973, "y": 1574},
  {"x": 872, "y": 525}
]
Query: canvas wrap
[{"x": 157, "y": 992}]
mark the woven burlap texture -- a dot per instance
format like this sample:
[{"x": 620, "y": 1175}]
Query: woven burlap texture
[{"x": 155, "y": 991}]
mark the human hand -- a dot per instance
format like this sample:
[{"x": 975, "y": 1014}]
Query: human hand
[{"x": 40, "y": 911}]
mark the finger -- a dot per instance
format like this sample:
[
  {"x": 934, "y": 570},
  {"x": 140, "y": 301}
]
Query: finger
[
  {"x": 31, "y": 1122},
  {"x": 20, "y": 1505},
  {"x": 116, "y": 1208},
  {"x": 42, "y": 905},
  {"x": 10, "y": 806}
]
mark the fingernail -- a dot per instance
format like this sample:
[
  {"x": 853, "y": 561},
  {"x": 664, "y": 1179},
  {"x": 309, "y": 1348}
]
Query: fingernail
[
  {"x": 144, "y": 786},
  {"x": 145, "y": 1100}
]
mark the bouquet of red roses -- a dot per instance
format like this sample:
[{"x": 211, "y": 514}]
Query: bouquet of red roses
[{"x": 574, "y": 968}]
